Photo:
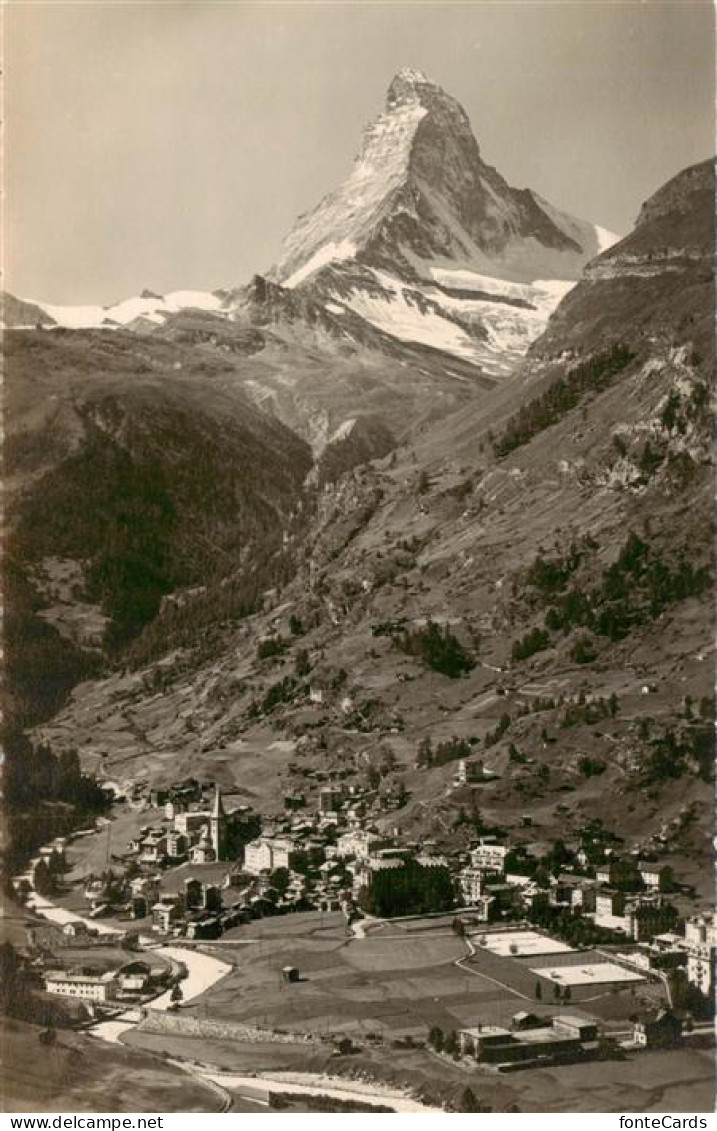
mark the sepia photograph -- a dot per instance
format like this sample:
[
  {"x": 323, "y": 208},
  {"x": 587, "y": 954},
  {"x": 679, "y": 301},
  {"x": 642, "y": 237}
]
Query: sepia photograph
[{"x": 358, "y": 711}]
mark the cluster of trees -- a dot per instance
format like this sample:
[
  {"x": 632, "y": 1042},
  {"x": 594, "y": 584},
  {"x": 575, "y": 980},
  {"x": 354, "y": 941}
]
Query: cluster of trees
[
  {"x": 586, "y": 712},
  {"x": 551, "y": 577},
  {"x": 412, "y": 889},
  {"x": 633, "y": 591},
  {"x": 559, "y": 994},
  {"x": 566, "y": 393},
  {"x": 285, "y": 691},
  {"x": 444, "y": 1042},
  {"x": 591, "y": 767},
  {"x": 270, "y": 647},
  {"x": 438, "y": 648},
  {"x": 537, "y": 640},
  {"x": 573, "y": 929},
  {"x": 677, "y": 414},
  {"x": 672, "y": 754},
  {"x": 498, "y": 731},
  {"x": 165, "y": 507},
  {"x": 40, "y": 665},
  {"x": 641, "y": 584},
  {"x": 197, "y": 620},
  {"x": 45, "y": 794},
  {"x": 687, "y": 997},
  {"x": 240, "y": 831},
  {"x": 35, "y": 774},
  {"x": 449, "y": 751},
  {"x": 583, "y": 650}
]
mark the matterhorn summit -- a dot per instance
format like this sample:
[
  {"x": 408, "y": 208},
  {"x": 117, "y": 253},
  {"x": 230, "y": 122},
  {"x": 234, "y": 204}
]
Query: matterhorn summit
[
  {"x": 431, "y": 244},
  {"x": 420, "y": 192}
]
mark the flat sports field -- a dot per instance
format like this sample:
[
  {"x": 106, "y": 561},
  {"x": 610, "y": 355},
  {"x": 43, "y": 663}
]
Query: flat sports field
[
  {"x": 519, "y": 944},
  {"x": 592, "y": 974}
]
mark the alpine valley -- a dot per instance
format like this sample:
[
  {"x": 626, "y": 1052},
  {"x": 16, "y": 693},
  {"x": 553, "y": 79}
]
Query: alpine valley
[{"x": 435, "y": 486}]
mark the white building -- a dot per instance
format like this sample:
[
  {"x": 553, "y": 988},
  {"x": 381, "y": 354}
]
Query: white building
[
  {"x": 610, "y": 911},
  {"x": 361, "y": 844},
  {"x": 471, "y": 882},
  {"x": 76, "y": 929},
  {"x": 489, "y": 856},
  {"x": 700, "y": 943},
  {"x": 89, "y": 987},
  {"x": 177, "y": 844},
  {"x": 202, "y": 851},
  {"x": 267, "y": 854},
  {"x": 153, "y": 847}
]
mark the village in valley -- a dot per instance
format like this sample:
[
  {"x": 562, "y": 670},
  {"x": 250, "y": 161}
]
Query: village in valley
[{"x": 580, "y": 952}]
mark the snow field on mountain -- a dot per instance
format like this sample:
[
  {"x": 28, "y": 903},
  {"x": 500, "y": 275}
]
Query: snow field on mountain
[
  {"x": 397, "y": 315},
  {"x": 123, "y": 313}
]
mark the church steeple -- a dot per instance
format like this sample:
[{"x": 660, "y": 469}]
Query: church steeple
[{"x": 217, "y": 825}]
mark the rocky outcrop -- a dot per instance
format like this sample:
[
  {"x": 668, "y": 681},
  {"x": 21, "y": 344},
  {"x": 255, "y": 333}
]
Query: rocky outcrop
[{"x": 655, "y": 284}]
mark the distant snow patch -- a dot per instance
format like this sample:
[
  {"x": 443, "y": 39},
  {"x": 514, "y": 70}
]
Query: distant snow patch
[
  {"x": 123, "y": 313},
  {"x": 75, "y": 317},
  {"x": 343, "y": 431},
  {"x": 605, "y": 238}
]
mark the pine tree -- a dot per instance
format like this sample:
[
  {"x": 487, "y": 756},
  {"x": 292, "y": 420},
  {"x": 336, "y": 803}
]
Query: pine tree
[{"x": 468, "y": 1101}]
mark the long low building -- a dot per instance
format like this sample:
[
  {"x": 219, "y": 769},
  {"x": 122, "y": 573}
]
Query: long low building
[
  {"x": 89, "y": 987},
  {"x": 492, "y": 1044}
]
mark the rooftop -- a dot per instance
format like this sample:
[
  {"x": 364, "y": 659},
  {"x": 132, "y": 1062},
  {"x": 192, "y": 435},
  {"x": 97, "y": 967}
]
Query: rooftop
[{"x": 69, "y": 976}]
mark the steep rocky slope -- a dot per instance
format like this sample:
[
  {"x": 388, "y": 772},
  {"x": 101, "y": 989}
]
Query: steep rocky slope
[
  {"x": 526, "y": 582},
  {"x": 133, "y": 469}
]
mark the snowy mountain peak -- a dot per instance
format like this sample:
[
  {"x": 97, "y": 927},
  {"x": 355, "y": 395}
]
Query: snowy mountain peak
[
  {"x": 420, "y": 196},
  {"x": 409, "y": 85},
  {"x": 430, "y": 244},
  {"x": 412, "y": 75}
]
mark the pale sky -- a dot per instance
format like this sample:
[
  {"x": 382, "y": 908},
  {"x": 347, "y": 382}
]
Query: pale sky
[{"x": 171, "y": 145}]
